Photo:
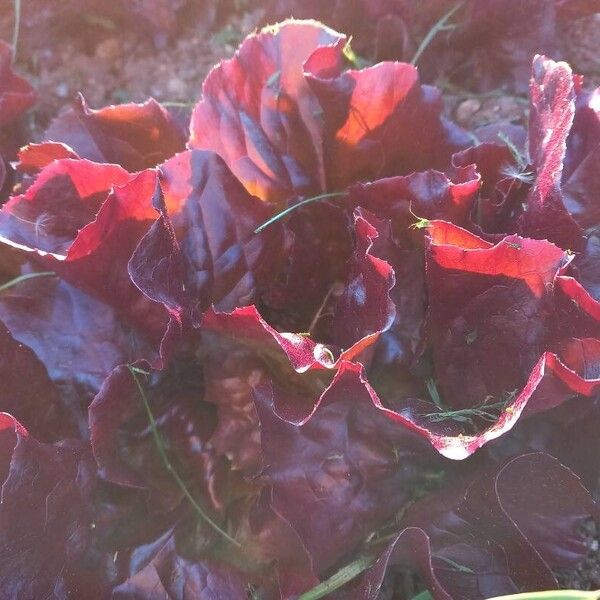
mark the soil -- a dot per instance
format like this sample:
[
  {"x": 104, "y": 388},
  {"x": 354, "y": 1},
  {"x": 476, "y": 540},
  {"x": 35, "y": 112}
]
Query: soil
[
  {"x": 132, "y": 67},
  {"x": 400, "y": 584},
  {"x": 586, "y": 576}
]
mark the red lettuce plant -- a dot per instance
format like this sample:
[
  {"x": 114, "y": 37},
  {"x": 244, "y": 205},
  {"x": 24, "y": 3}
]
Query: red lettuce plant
[
  {"x": 325, "y": 332},
  {"x": 16, "y": 96}
]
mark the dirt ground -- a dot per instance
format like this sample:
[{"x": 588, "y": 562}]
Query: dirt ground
[
  {"x": 128, "y": 67},
  {"x": 109, "y": 68}
]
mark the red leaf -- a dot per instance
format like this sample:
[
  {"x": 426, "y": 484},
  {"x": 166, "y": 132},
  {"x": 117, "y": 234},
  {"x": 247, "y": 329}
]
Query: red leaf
[
  {"x": 135, "y": 136},
  {"x": 356, "y": 468},
  {"x": 367, "y": 112},
  {"x": 258, "y": 113},
  {"x": 498, "y": 532},
  {"x": 64, "y": 198},
  {"x": 43, "y": 547},
  {"x": 299, "y": 126},
  {"x": 34, "y": 157},
  {"x": 204, "y": 241},
  {"x": 551, "y": 116}
]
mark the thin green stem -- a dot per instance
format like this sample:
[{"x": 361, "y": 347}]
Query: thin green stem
[
  {"x": 17, "y": 28},
  {"x": 25, "y": 277},
  {"x": 292, "y": 208},
  {"x": 454, "y": 565},
  {"x": 337, "y": 580},
  {"x": 168, "y": 465},
  {"x": 437, "y": 27}
]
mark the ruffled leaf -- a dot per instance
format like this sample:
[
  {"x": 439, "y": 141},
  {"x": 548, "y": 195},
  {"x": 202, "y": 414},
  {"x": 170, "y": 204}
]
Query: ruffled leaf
[{"x": 134, "y": 136}]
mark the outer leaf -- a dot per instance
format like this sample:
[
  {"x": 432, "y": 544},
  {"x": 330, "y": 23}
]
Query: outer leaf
[
  {"x": 34, "y": 157},
  {"x": 487, "y": 538},
  {"x": 123, "y": 443},
  {"x": 169, "y": 575},
  {"x": 135, "y": 136},
  {"x": 78, "y": 339},
  {"x": 27, "y": 391},
  {"x": 356, "y": 469},
  {"x": 551, "y": 116},
  {"x": 76, "y": 223},
  {"x": 64, "y": 198},
  {"x": 43, "y": 546},
  {"x": 487, "y": 304}
]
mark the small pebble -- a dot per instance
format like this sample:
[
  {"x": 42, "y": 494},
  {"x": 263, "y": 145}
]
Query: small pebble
[
  {"x": 62, "y": 90},
  {"x": 177, "y": 87},
  {"x": 467, "y": 109}
]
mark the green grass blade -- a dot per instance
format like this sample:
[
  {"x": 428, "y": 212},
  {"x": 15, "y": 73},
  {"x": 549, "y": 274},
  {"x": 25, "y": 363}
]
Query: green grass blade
[
  {"x": 425, "y": 595},
  {"x": 338, "y": 579},
  {"x": 168, "y": 465},
  {"x": 290, "y": 209},
  {"x": 16, "y": 28},
  {"x": 437, "y": 27},
  {"x": 25, "y": 277},
  {"x": 549, "y": 595}
]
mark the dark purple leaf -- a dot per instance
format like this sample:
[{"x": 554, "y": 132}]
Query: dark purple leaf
[
  {"x": 204, "y": 241},
  {"x": 498, "y": 533},
  {"x": 552, "y": 106},
  {"x": 357, "y": 468},
  {"x": 78, "y": 339},
  {"x": 45, "y": 519},
  {"x": 170, "y": 575}
]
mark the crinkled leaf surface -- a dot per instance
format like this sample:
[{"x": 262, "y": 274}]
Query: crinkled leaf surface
[
  {"x": 135, "y": 136},
  {"x": 257, "y": 111},
  {"x": 352, "y": 460},
  {"x": 552, "y": 107},
  {"x": 43, "y": 546},
  {"x": 300, "y": 125},
  {"x": 496, "y": 534},
  {"x": 78, "y": 339},
  {"x": 487, "y": 304},
  {"x": 206, "y": 236},
  {"x": 169, "y": 575}
]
